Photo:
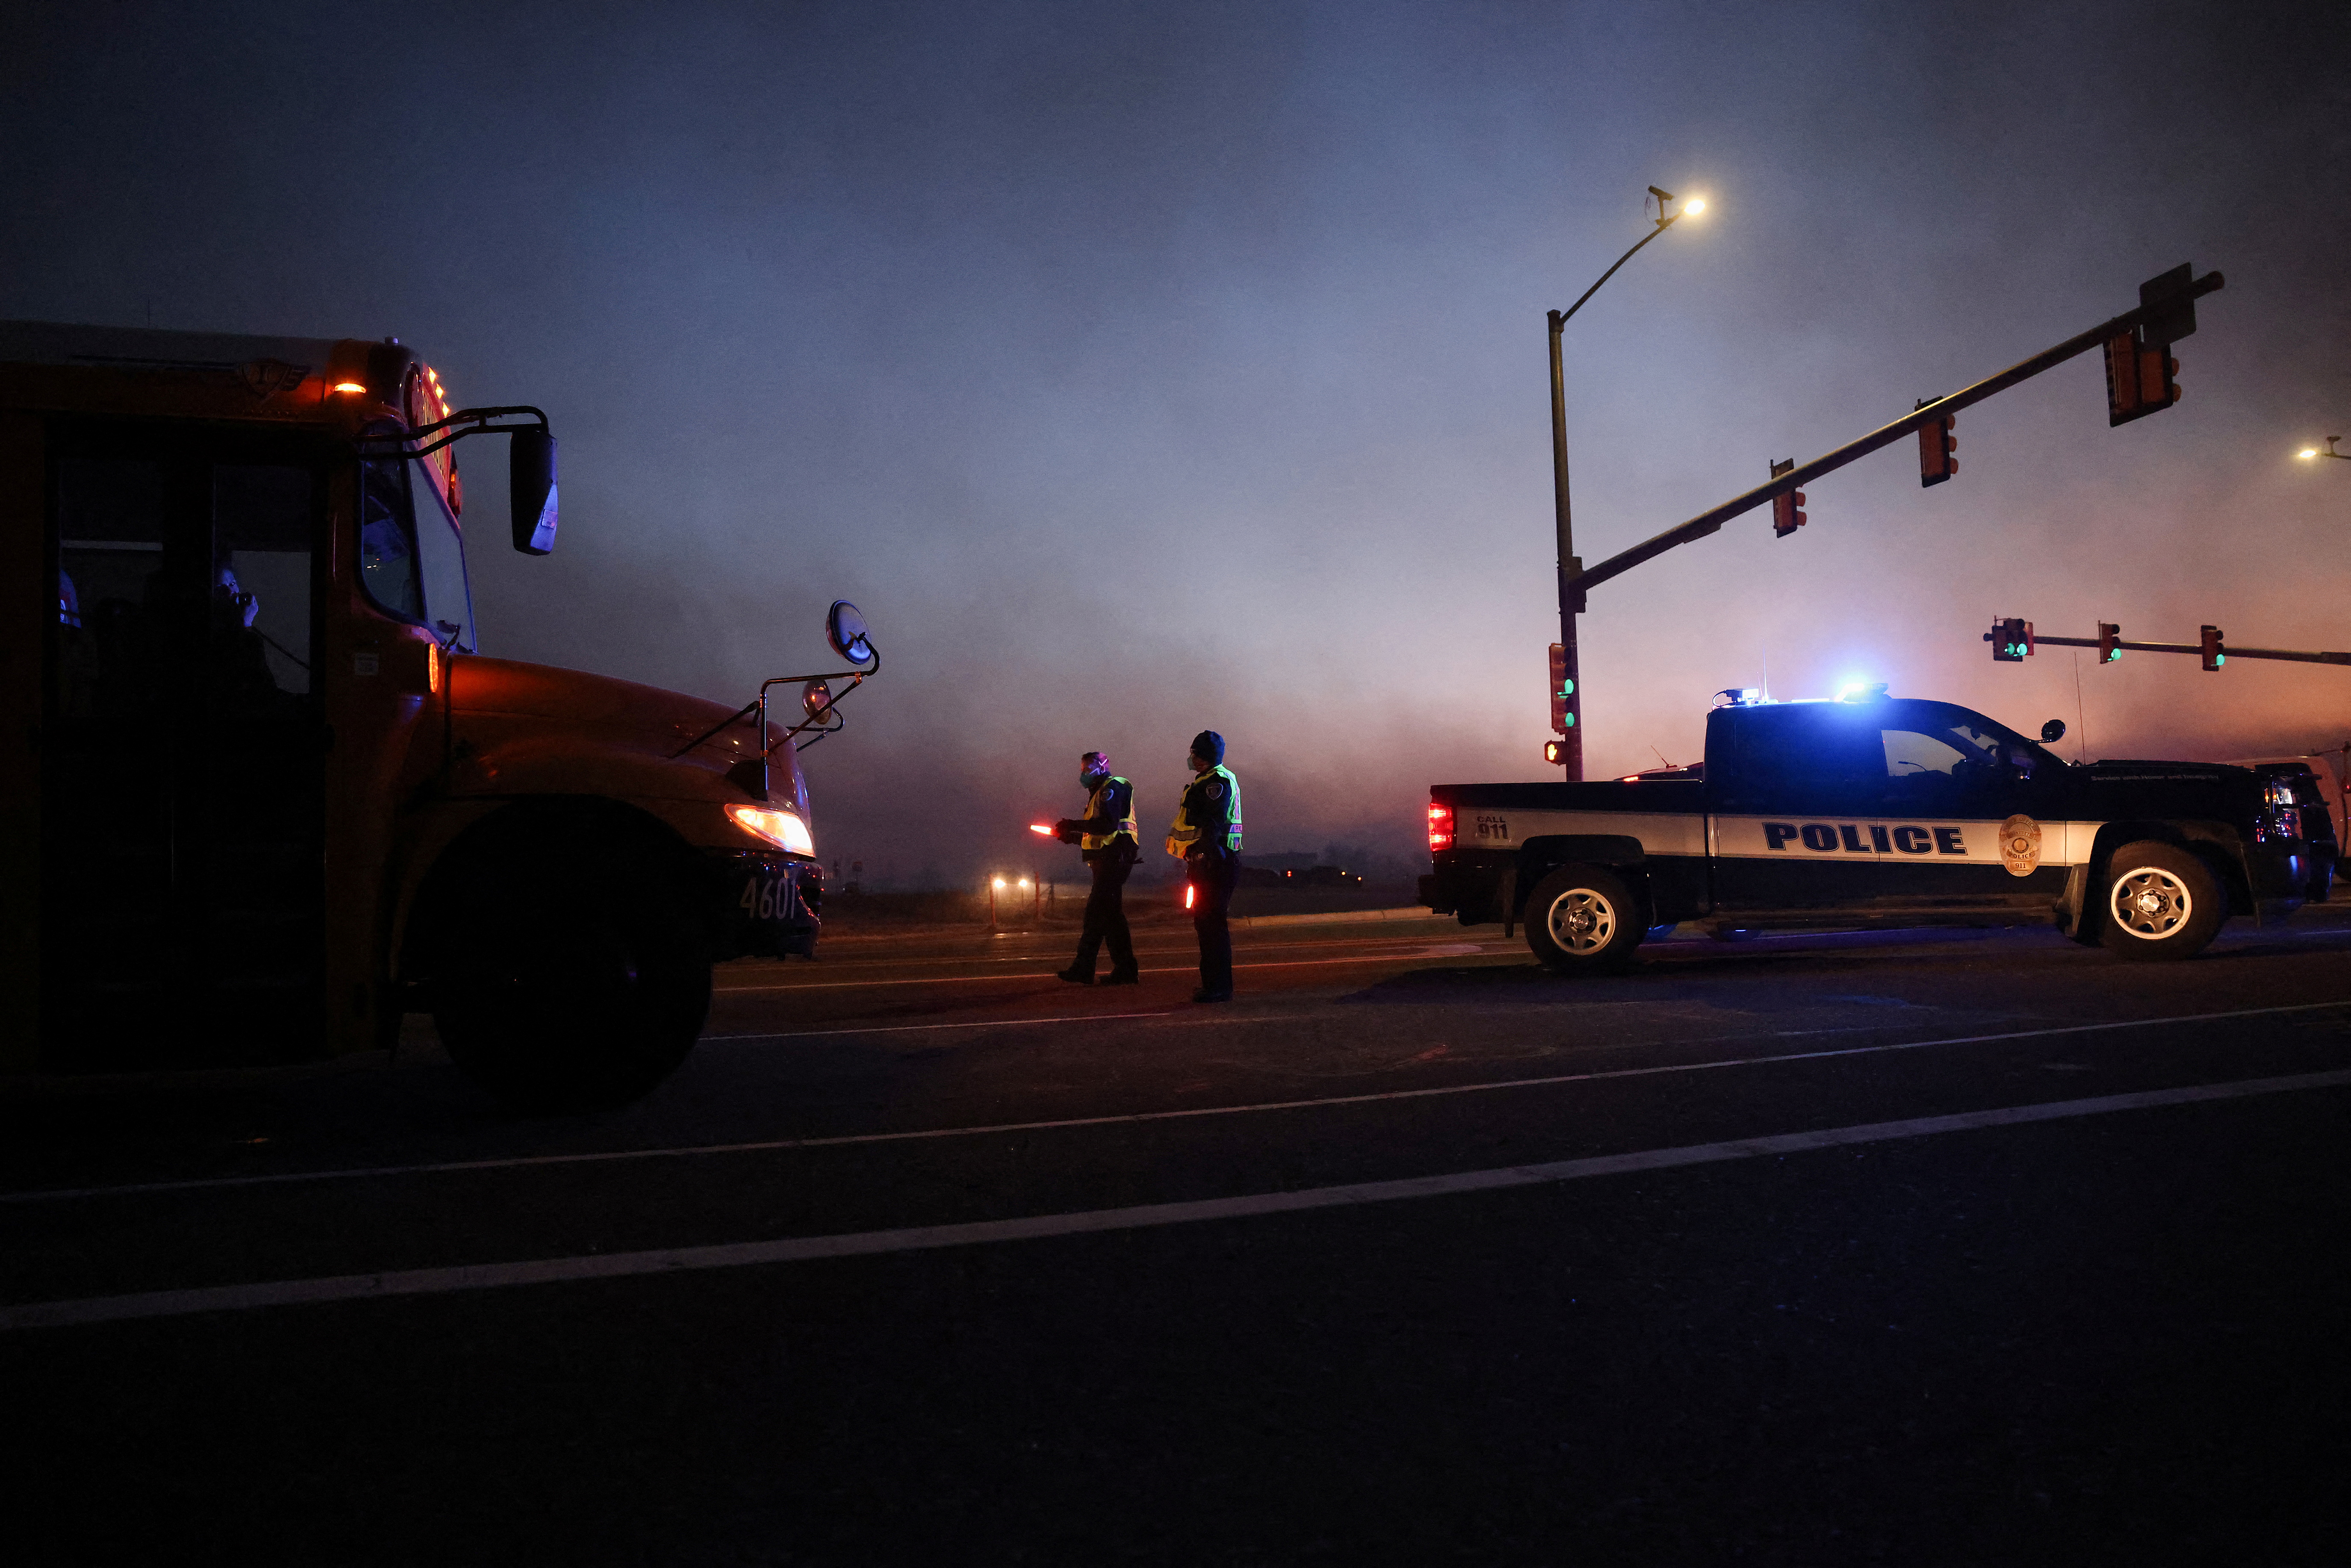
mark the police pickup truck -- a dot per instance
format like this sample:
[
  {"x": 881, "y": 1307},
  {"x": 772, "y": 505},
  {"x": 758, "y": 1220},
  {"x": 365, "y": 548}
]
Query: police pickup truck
[{"x": 1877, "y": 811}]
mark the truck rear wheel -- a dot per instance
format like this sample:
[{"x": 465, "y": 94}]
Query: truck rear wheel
[
  {"x": 1581, "y": 920},
  {"x": 570, "y": 992},
  {"x": 2162, "y": 902}
]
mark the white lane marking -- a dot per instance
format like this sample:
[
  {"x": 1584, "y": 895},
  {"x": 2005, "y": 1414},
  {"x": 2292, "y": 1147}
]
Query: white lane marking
[
  {"x": 914, "y": 1028},
  {"x": 867, "y": 1243},
  {"x": 1048, "y": 974},
  {"x": 1398, "y": 943},
  {"x": 765, "y": 1146}
]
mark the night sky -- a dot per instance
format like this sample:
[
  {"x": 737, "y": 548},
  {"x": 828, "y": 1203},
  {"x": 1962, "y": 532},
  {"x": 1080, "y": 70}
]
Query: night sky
[{"x": 1143, "y": 367}]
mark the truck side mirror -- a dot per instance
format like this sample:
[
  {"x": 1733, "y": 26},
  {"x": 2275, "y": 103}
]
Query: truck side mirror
[
  {"x": 530, "y": 485},
  {"x": 815, "y": 698},
  {"x": 2052, "y": 732},
  {"x": 844, "y": 628}
]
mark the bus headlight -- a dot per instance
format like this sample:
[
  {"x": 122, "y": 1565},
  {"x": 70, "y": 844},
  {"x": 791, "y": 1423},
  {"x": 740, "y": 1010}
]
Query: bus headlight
[{"x": 782, "y": 828}]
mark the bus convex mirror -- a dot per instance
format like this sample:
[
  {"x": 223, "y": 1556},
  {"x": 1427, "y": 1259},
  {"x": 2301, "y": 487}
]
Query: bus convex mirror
[
  {"x": 844, "y": 628},
  {"x": 530, "y": 482},
  {"x": 815, "y": 698},
  {"x": 2054, "y": 730}
]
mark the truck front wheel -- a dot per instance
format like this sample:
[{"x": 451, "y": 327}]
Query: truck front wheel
[
  {"x": 2162, "y": 902},
  {"x": 1581, "y": 920},
  {"x": 574, "y": 996}
]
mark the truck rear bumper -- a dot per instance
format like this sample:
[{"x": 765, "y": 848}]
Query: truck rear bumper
[{"x": 1469, "y": 884}]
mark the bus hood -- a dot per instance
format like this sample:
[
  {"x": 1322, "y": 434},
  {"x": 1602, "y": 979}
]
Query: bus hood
[{"x": 520, "y": 728}]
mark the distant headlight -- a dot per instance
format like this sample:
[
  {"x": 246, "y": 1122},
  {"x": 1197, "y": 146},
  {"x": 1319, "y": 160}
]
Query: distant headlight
[{"x": 781, "y": 829}]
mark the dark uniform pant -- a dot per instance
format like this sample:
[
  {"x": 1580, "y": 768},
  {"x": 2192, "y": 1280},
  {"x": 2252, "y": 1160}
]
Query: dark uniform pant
[
  {"x": 1212, "y": 877},
  {"x": 1106, "y": 916}
]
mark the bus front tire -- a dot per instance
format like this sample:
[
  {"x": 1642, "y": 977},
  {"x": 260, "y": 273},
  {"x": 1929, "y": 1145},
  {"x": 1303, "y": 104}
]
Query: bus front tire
[
  {"x": 577, "y": 997},
  {"x": 2159, "y": 902},
  {"x": 1581, "y": 920}
]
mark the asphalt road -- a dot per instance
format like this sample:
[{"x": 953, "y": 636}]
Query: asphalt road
[{"x": 1973, "y": 1247}]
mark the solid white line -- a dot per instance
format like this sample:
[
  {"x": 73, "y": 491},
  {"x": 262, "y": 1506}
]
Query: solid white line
[
  {"x": 867, "y": 1243},
  {"x": 920, "y": 1134},
  {"x": 914, "y": 1027}
]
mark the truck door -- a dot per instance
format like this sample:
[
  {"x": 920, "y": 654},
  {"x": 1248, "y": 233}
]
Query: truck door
[
  {"x": 1955, "y": 780},
  {"x": 182, "y": 747},
  {"x": 1793, "y": 788}
]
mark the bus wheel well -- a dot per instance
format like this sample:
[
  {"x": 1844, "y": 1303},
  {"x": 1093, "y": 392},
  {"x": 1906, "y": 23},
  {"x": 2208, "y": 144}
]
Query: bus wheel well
[{"x": 555, "y": 838}]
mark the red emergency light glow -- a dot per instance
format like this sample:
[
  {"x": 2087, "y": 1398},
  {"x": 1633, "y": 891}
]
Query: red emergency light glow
[
  {"x": 1440, "y": 827},
  {"x": 1040, "y": 828},
  {"x": 1188, "y": 895}
]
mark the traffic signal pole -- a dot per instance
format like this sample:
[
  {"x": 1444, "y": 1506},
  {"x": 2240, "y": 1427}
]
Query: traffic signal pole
[
  {"x": 2159, "y": 312},
  {"x": 1570, "y": 724}
]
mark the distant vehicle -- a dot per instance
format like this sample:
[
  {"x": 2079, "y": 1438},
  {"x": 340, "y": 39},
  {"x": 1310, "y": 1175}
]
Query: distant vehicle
[
  {"x": 1877, "y": 811},
  {"x": 2319, "y": 791},
  {"x": 1320, "y": 876},
  {"x": 265, "y": 794}
]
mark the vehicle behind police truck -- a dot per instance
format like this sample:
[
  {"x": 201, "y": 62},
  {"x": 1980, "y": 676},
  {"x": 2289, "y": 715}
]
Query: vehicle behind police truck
[{"x": 263, "y": 792}]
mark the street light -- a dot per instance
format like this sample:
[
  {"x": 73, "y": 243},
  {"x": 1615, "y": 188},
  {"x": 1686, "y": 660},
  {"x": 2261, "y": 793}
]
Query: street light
[
  {"x": 1569, "y": 749},
  {"x": 2309, "y": 452}
]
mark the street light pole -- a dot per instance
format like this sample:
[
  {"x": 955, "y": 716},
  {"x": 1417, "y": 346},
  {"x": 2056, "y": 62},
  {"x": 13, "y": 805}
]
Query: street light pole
[{"x": 1571, "y": 600}]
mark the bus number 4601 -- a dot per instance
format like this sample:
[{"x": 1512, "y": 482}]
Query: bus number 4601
[{"x": 766, "y": 898}]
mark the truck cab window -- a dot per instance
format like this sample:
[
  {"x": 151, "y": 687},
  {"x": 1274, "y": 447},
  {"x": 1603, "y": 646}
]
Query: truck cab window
[{"x": 1945, "y": 758}]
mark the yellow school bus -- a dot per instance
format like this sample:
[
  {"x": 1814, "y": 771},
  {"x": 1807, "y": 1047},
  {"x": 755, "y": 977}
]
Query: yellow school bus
[{"x": 261, "y": 792}]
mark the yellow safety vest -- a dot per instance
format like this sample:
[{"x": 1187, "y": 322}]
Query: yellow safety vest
[
  {"x": 1183, "y": 833},
  {"x": 1125, "y": 828}
]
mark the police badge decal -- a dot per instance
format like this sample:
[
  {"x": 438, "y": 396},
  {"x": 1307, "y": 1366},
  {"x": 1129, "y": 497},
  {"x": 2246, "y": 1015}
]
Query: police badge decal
[{"x": 2020, "y": 845}]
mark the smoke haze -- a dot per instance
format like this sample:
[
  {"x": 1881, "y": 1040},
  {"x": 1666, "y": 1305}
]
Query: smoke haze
[{"x": 1142, "y": 369}]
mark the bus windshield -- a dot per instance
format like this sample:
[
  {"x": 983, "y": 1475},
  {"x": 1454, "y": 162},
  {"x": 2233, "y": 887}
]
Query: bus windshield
[{"x": 411, "y": 552}]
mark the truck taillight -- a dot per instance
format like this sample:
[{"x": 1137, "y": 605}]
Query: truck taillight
[{"x": 1440, "y": 827}]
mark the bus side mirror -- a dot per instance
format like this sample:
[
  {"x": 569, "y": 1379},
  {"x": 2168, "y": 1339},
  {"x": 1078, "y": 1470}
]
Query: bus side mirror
[
  {"x": 844, "y": 628},
  {"x": 530, "y": 485},
  {"x": 2054, "y": 730}
]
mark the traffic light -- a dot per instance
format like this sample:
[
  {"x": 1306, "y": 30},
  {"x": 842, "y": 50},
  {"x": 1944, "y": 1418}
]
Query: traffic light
[
  {"x": 1560, "y": 688},
  {"x": 2215, "y": 655},
  {"x": 1788, "y": 507},
  {"x": 2011, "y": 640},
  {"x": 2110, "y": 638},
  {"x": 1937, "y": 449},
  {"x": 2140, "y": 370},
  {"x": 2138, "y": 379}
]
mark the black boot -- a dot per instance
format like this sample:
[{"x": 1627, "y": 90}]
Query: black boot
[
  {"x": 1075, "y": 976},
  {"x": 1208, "y": 996},
  {"x": 1124, "y": 977}
]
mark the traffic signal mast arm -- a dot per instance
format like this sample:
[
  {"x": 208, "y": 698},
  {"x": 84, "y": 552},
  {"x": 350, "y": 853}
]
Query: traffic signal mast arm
[
  {"x": 2297, "y": 655},
  {"x": 1934, "y": 412}
]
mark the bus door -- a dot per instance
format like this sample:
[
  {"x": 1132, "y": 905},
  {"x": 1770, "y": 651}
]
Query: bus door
[{"x": 184, "y": 747}]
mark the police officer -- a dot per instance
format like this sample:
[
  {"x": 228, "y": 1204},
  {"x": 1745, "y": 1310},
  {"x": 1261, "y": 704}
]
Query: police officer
[
  {"x": 1206, "y": 835},
  {"x": 1106, "y": 836}
]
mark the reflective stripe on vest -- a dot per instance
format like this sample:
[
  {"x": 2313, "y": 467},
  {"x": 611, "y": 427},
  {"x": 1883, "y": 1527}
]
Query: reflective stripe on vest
[
  {"x": 1181, "y": 832},
  {"x": 1094, "y": 809}
]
